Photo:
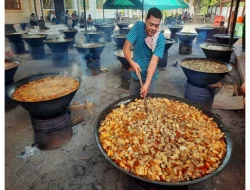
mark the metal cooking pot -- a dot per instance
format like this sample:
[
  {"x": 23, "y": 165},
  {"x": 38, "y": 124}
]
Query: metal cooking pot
[
  {"x": 57, "y": 45},
  {"x": 202, "y": 78},
  {"x": 70, "y": 33},
  {"x": 43, "y": 107},
  {"x": 9, "y": 74},
  {"x": 186, "y": 37},
  {"x": 168, "y": 44},
  {"x": 119, "y": 40},
  {"x": 225, "y": 38},
  {"x": 34, "y": 41},
  {"x": 129, "y": 99},
  {"x": 122, "y": 25},
  {"x": 217, "y": 54}
]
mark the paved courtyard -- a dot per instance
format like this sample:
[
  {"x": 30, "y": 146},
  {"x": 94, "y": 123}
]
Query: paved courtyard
[{"x": 79, "y": 164}]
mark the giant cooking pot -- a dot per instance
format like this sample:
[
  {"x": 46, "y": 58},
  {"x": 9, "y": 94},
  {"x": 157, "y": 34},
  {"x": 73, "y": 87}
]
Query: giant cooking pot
[
  {"x": 43, "y": 107},
  {"x": 126, "y": 100}
]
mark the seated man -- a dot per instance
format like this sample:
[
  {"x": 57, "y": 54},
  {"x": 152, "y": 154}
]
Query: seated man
[
  {"x": 74, "y": 20},
  {"x": 33, "y": 21},
  {"x": 70, "y": 22},
  {"x": 90, "y": 20},
  {"x": 53, "y": 18},
  {"x": 41, "y": 24}
]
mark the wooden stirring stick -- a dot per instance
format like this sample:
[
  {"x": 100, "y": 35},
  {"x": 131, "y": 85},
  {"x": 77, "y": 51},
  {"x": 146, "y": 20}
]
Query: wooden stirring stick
[{"x": 145, "y": 98}]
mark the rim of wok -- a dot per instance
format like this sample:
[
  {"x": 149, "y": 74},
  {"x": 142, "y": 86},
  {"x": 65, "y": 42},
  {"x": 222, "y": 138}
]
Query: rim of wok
[
  {"x": 186, "y": 34},
  {"x": 57, "y": 41},
  {"x": 226, "y": 36},
  {"x": 34, "y": 36},
  {"x": 116, "y": 53},
  {"x": 81, "y": 46},
  {"x": 128, "y": 99},
  {"x": 229, "y": 67},
  {"x": 40, "y": 76},
  {"x": 204, "y": 46}
]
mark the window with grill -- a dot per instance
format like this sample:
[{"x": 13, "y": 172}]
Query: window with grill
[{"x": 12, "y": 4}]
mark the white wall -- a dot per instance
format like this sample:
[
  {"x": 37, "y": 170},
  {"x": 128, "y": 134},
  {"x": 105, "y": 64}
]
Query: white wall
[
  {"x": 224, "y": 11},
  {"x": 23, "y": 15}
]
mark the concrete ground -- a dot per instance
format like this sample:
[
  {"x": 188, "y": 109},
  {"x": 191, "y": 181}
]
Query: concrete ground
[{"x": 79, "y": 164}]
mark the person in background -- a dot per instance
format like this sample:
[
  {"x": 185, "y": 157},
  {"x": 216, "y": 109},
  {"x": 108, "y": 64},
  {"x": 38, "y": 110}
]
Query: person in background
[
  {"x": 75, "y": 13},
  {"x": 243, "y": 34},
  {"x": 70, "y": 22},
  {"x": 33, "y": 21},
  {"x": 61, "y": 17},
  {"x": 148, "y": 47},
  {"x": 82, "y": 20},
  {"x": 66, "y": 16},
  {"x": 116, "y": 16},
  {"x": 41, "y": 24},
  {"x": 120, "y": 16},
  {"x": 74, "y": 20},
  {"x": 90, "y": 20},
  {"x": 53, "y": 17}
]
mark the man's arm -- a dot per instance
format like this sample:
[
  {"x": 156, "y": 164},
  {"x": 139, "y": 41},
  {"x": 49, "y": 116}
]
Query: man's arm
[
  {"x": 151, "y": 70},
  {"x": 127, "y": 53}
]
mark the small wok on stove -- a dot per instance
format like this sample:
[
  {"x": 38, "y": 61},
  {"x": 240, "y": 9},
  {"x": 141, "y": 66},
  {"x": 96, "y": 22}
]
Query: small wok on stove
[
  {"x": 43, "y": 107},
  {"x": 9, "y": 73},
  {"x": 203, "y": 78},
  {"x": 127, "y": 100}
]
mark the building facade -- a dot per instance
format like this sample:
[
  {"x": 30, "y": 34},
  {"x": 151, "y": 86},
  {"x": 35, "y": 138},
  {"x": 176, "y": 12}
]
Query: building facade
[{"x": 22, "y": 9}]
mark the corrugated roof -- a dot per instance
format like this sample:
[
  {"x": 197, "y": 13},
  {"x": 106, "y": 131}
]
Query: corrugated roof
[
  {"x": 120, "y": 4},
  {"x": 147, "y": 4}
]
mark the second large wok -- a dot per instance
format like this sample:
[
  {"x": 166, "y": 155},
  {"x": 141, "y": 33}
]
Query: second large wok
[
  {"x": 43, "y": 107},
  {"x": 127, "y": 100}
]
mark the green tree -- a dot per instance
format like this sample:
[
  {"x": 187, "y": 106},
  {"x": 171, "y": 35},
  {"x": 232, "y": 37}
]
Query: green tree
[{"x": 201, "y": 6}]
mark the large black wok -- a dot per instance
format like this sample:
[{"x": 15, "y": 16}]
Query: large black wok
[
  {"x": 225, "y": 38},
  {"x": 121, "y": 25},
  {"x": 223, "y": 55},
  {"x": 126, "y": 29},
  {"x": 122, "y": 59},
  {"x": 57, "y": 45},
  {"x": 93, "y": 52},
  {"x": 202, "y": 34},
  {"x": 44, "y": 107},
  {"x": 107, "y": 28},
  {"x": 175, "y": 28},
  {"x": 168, "y": 44},
  {"x": 70, "y": 33},
  {"x": 9, "y": 74},
  {"x": 119, "y": 40},
  {"x": 129, "y": 99},
  {"x": 202, "y": 78},
  {"x": 34, "y": 40},
  {"x": 186, "y": 37},
  {"x": 13, "y": 37},
  {"x": 97, "y": 25},
  {"x": 92, "y": 36}
]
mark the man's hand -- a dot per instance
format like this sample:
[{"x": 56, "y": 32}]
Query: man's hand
[
  {"x": 144, "y": 90},
  {"x": 136, "y": 67}
]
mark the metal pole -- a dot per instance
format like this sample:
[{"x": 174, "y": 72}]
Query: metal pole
[
  {"x": 234, "y": 22},
  {"x": 103, "y": 14},
  {"x": 230, "y": 12},
  {"x": 35, "y": 10},
  {"x": 42, "y": 9},
  {"x": 142, "y": 10},
  {"x": 85, "y": 21}
]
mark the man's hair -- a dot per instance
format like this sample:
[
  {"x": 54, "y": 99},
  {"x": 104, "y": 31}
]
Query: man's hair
[{"x": 155, "y": 12}]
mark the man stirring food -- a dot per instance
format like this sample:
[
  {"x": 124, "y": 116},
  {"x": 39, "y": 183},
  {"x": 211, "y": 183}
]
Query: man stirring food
[{"x": 148, "y": 46}]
